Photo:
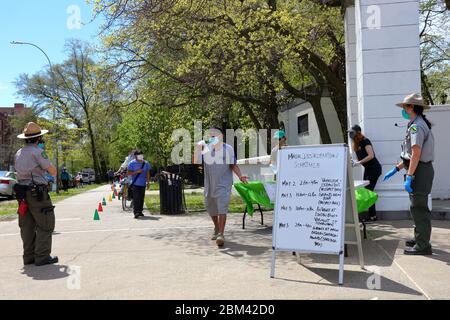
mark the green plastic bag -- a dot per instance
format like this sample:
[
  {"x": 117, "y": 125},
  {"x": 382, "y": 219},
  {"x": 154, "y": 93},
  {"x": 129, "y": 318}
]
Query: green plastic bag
[
  {"x": 365, "y": 199},
  {"x": 252, "y": 193}
]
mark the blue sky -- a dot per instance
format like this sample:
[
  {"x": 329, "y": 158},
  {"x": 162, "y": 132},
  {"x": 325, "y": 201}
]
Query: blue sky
[{"x": 46, "y": 23}]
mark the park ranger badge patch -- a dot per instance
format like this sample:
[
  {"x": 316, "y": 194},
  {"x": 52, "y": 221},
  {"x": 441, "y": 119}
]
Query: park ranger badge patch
[
  {"x": 413, "y": 128},
  {"x": 44, "y": 155}
]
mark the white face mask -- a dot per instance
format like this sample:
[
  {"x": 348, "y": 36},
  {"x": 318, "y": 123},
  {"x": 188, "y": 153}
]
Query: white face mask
[{"x": 140, "y": 157}]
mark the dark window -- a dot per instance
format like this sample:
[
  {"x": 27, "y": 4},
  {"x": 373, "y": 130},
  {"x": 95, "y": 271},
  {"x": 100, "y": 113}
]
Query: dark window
[{"x": 302, "y": 124}]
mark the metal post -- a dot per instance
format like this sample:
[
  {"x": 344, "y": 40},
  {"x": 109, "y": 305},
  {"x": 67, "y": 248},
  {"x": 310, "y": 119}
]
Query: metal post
[{"x": 54, "y": 108}]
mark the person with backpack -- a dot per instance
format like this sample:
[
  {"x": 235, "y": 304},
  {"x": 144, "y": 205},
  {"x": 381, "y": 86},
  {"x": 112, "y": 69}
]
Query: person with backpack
[
  {"x": 65, "y": 179},
  {"x": 139, "y": 171}
]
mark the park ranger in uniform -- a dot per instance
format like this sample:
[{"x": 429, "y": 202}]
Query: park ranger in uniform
[
  {"x": 417, "y": 158},
  {"x": 37, "y": 221}
]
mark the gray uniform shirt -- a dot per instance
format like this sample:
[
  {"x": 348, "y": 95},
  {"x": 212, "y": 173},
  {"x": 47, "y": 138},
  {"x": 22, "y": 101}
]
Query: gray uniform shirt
[
  {"x": 419, "y": 134},
  {"x": 218, "y": 173},
  {"x": 31, "y": 164}
]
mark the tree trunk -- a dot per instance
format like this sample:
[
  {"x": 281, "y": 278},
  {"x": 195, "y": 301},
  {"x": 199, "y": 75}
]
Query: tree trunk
[
  {"x": 340, "y": 105},
  {"x": 318, "y": 113},
  {"x": 93, "y": 148},
  {"x": 426, "y": 88},
  {"x": 103, "y": 167},
  {"x": 252, "y": 115}
]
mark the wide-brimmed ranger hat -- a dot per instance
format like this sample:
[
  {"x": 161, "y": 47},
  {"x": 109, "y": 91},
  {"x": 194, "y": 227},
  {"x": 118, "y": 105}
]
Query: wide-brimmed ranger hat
[
  {"x": 32, "y": 130},
  {"x": 415, "y": 99}
]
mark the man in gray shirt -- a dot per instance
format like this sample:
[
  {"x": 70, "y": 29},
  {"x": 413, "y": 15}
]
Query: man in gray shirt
[{"x": 219, "y": 164}]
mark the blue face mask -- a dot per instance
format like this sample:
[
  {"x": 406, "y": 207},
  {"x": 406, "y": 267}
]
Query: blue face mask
[
  {"x": 405, "y": 115},
  {"x": 214, "y": 141},
  {"x": 41, "y": 145}
]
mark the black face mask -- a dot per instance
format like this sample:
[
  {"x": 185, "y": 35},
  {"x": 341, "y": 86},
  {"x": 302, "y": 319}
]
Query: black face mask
[{"x": 352, "y": 134}]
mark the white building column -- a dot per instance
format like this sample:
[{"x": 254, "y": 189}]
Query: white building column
[
  {"x": 350, "y": 66},
  {"x": 387, "y": 69},
  {"x": 350, "y": 69}
]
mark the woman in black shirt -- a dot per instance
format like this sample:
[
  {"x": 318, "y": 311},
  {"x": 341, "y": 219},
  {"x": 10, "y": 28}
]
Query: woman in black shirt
[{"x": 366, "y": 157}]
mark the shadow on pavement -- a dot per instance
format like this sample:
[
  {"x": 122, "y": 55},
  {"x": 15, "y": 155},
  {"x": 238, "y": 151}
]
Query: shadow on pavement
[
  {"x": 357, "y": 280},
  {"x": 238, "y": 250},
  {"x": 440, "y": 255},
  {"x": 149, "y": 218},
  {"x": 49, "y": 272},
  {"x": 263, "y": 230}
]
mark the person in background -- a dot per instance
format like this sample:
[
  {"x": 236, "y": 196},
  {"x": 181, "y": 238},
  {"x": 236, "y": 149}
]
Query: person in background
[
  {"x": 110, "y": 174},
  {"x": 219, "y": 164},
  {"x": 366, "y": 157},
  {"x": 65, "y": 179},
  {"x": 139, "y": 170},
  {"x": 122, "y": 173},
  {"x": 280, "y": 141},
  {"x": 78, "y": 183},
  {"x": 417, "y": 158}
]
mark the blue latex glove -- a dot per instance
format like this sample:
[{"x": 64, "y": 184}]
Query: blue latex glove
[
  {"x": 407, "y": 184},
  {"x": 390, "y": 173}
]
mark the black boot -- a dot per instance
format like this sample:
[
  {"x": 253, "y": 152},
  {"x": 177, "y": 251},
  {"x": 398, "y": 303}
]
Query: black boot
[
  {"x": 410, "y": 243},
  {"x": 49, "y": 260}
]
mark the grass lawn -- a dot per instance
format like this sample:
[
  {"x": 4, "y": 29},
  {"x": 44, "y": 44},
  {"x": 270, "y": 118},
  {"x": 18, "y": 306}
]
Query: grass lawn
[
  {"x": 154, "y": 186},
  {"x": 10, "y": 207},
  {"x": 195, "y": 203},
  {"x": 72, "y": 192}
]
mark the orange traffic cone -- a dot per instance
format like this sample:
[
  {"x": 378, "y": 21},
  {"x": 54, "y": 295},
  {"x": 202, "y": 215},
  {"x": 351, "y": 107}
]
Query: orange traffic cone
[{"x": 100, "y": 208}]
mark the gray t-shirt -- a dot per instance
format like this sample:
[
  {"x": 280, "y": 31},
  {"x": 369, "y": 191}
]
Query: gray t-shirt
[
  {"x": 419, "y": 134},
  {"x": 218, "y": 173},
  {"x": 31, "y": 164}
]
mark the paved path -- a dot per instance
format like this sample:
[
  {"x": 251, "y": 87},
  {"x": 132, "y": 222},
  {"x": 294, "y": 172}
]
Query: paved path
[
  {"x": 171, "y": 257},
  {"x": 186, "y": 191}
]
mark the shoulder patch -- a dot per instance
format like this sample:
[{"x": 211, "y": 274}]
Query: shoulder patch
[
  {"x": 413, "y": 128},
  {"x": 44, "y": 155}
]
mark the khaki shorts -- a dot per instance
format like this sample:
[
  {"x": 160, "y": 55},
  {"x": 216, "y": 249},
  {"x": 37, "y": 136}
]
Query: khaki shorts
[{"x": 217, "y": 205}]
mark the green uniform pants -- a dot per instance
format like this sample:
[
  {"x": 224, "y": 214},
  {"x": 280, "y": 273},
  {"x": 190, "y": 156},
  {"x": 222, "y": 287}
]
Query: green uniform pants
[
  {"x": 36, "y": 228},
  {"x": 420, "y": 212}
]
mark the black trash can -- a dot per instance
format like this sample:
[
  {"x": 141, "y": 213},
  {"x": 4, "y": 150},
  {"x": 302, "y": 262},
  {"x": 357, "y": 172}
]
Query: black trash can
[{"x": 171, "y": 193}]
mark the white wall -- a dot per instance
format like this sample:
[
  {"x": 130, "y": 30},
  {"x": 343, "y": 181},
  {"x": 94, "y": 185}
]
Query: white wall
[
  {"x": 387, "y": 69},
  {"x": 440, "y": 118},
  {"x": 289, "y": 117}
]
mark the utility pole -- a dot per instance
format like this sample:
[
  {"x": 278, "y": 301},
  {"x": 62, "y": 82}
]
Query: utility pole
[{"x": 54, "y": 106}]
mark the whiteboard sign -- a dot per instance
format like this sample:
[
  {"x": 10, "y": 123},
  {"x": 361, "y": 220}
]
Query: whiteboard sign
[{"x": 310, "y": 201}]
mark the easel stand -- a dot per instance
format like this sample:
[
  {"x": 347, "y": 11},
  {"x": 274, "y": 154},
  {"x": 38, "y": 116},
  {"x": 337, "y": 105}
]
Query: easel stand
[{"x": 351, "y": 233}]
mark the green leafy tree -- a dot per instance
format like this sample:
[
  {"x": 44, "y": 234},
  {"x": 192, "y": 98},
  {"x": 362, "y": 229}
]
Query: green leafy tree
[
  {"x": 257, "y": 53},
  {"x": 85, "y": 97}
]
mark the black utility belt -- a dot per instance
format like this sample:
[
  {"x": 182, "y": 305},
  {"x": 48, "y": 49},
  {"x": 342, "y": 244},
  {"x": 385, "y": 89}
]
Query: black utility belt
[
  {"x": 38, "y": 191},
  {"x": 407, "y": 161}
]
